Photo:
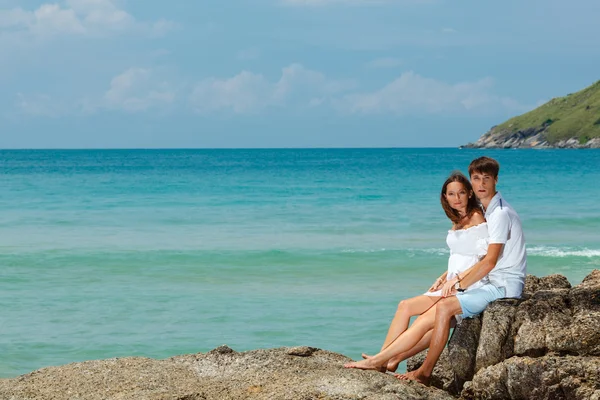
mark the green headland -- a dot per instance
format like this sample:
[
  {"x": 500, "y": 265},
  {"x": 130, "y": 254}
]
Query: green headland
[{"x": 572, "y": 121}]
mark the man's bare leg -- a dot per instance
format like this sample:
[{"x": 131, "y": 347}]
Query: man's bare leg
[
  {"x": 446, "y": 309},
  {"x": 392, "y": 364},
  {"x": 404, "y": 343}
]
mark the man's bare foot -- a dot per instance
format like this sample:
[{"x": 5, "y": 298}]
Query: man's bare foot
[
  {"x": 365, "y": 356},
  {"x": 366, "y": 364},
  {"x": 414, "y": 376}
]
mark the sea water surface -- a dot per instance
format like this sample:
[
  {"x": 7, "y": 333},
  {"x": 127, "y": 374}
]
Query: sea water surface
[{"x": 111, "y": 253}]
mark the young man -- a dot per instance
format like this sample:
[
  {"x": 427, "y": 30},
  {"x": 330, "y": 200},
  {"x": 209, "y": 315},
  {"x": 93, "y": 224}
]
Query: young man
[{"x": 505, "y": 264}]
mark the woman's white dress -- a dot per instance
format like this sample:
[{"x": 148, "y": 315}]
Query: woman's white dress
[{"x": 467, "y": 247}]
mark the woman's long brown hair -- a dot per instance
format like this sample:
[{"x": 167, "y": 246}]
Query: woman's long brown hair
[{"x": 472, "y": 204}]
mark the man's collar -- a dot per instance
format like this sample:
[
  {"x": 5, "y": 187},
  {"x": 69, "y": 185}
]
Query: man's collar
[{"x": 495, "y": 202}]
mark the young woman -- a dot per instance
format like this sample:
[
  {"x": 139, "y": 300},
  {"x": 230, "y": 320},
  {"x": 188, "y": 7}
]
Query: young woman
[{"x": 467, "y": 241}]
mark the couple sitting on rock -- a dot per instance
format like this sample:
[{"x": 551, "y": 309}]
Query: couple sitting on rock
[{"x": 487, "y": 262}]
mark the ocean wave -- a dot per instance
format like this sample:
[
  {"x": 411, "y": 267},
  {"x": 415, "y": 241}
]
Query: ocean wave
[
  {"x": 363, "y": 250},
  {"x": 549, "y": 251},
  {"x": 409, "y": 251}
]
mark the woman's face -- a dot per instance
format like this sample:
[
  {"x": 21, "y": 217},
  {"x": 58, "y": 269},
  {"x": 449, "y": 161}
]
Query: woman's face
[{"x": 457, "y": 196}]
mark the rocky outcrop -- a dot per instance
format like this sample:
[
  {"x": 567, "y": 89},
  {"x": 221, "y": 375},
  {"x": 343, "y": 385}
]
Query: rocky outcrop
[
  {"x": 545, "y": 345},
  {"x": 546, "y": 378},
  {"x": 285, "y": 373},
  {"x": 531, "y": 138}
]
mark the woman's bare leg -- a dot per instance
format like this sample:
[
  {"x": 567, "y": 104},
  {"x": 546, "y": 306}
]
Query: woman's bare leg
[
  {"x": 392, "y": 364},
  {"x": 406, "y": 309},
  {"x": 404, "y": 343}
]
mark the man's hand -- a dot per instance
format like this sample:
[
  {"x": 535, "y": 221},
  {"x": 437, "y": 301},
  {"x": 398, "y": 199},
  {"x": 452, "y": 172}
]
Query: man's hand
[{"x": 448, "y": 289}]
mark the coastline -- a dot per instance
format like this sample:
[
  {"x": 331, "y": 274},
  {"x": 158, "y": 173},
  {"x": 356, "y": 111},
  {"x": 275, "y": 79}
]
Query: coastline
[
  {"x": 549, "y": 336},
  {"x": 532, "y": 138}
]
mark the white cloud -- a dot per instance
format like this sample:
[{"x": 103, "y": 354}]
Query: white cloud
[
  {"x": 319, "y": 3},
  {"x": 137, "y": 90},
  {"x": 40, "y": 105},
  {"x": 80, "y": 17},
  {"x": 414, "y": 94},
  {"x": 386, "y": 62},
  {"x": 248, "y": 92}
]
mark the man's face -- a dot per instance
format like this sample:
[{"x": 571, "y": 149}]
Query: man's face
[{"x": 484, "y": 185}]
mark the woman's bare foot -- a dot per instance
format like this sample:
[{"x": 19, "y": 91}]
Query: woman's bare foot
[
  {"x": 414, "y": 376},
  {"x": 368, "y": 364},
  {"x": 392, "y": 364}
]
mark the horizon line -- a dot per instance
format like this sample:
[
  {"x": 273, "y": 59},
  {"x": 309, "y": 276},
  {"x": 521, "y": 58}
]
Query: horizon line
[{"x": 221, "y": 148}]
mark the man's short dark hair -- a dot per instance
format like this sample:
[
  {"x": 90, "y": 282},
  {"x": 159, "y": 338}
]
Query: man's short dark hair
[{"x": 484, "y": 165}]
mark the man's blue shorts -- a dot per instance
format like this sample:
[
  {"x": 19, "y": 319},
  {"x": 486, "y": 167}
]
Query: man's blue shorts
[{"x": 473, "y": 302}]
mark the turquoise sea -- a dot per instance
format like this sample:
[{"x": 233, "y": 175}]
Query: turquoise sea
[{"x": 108, "y": 253}]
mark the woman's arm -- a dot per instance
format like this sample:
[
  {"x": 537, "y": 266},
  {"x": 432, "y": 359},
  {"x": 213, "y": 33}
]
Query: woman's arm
[{"x": 438, "y": 282}]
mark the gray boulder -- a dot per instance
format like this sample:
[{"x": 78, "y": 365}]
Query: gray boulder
[
  {"x": 457, "y": 362},
  {"x": 284, "y": 373},
  {"x": 560, "y": 320},
  {"x": 544, "y": 378},
  {"x": 443, "y": 374}
]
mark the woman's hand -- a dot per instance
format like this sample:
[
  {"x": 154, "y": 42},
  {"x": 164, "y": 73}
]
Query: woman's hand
[
  {"x": 448, "y": 289},
  {"x": 436, "y": 285}
]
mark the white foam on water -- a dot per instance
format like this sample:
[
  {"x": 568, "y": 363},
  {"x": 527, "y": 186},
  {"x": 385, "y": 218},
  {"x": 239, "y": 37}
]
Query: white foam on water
[
  {"x": 363, "y": 250},
  {"x": 550, "y": 251}
]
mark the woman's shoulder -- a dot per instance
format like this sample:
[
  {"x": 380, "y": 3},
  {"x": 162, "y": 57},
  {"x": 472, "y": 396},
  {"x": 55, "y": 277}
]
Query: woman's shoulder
[{"x": 476, "y": 219}]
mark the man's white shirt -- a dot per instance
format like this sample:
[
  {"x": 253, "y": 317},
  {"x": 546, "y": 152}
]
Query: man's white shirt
[{"x": 504, "y": 227}]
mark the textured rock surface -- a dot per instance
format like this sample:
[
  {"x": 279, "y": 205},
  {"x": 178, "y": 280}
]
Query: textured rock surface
[
  {"x": 462, "y": 349},
  {"x": 563, "y": 321},
  {"x": 548, "y": 377},
  {"x": 496, "y": 342},
  {"x": 285, "y": 373},
  {"x": 532, "y": 138},
  {"x": 443, "y": 374},
  {"x": 457, "y": 362}
]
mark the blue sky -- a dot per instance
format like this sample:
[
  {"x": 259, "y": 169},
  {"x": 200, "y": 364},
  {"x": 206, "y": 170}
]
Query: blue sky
[{"x": 283, "y": 73}]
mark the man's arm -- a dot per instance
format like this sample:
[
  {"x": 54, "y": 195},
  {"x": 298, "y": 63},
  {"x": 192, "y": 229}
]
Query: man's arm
[
  {"x": 477, "y": 271},
  {"x": 483, "y": 267}
]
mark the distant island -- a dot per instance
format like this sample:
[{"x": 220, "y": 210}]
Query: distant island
[{"x": 572, "y": 122}]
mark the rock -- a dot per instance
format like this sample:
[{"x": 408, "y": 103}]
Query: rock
[
  {"x": 585, "y": 303},
  {"x": 548, "y": 377},
  {"x": 560, "y": 320},
  {"x": 593, "y": 144},
  {"x": 530, "y": 138},
  {"x": 284, "y": 373},
  {"x": 496, "y": 342},
  {"x": 555, "y": 281},
  {"x": 443, "y": 374},
  {"x": 302, "y": 351},
  {"x": 462, "y": 348},
  {"x": 463, "y": 351}
]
